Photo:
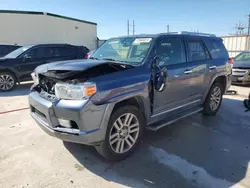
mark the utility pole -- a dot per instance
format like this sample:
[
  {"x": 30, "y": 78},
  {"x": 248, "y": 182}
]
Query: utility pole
[
  {"x": 133, "y": 27},
  {"x": 128, "y": 27},
  {"x": 248, "y": 31},
  {"x": 168, "y": 28}
]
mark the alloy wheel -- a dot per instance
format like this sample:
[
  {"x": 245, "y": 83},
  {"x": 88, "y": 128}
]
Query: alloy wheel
[
  {"x": 215, "y": 98},
  {"x": 6, "y": 82},
  {"x": 124, "y": 133}
]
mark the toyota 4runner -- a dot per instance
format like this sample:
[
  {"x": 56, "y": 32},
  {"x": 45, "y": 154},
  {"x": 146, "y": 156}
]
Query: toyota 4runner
[{"x": 129, "y": 84}]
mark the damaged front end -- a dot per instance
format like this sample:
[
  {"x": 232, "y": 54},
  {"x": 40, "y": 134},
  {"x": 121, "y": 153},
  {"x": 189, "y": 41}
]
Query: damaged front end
[{"x": 73, "y": 84}]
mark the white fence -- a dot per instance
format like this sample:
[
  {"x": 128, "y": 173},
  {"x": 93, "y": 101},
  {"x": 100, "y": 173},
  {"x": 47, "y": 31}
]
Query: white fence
[{"x": 236, "y": 44}]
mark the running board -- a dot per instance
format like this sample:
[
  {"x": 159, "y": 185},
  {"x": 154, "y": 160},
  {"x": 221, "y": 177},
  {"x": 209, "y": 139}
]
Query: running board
[{"x": 174, "y": 118}]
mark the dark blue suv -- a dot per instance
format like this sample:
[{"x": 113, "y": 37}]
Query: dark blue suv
[{"x": 129, "y": 84}]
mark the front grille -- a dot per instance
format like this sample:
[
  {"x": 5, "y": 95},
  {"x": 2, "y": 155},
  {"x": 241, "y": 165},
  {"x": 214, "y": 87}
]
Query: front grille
[{"x": 38, "y": 113}]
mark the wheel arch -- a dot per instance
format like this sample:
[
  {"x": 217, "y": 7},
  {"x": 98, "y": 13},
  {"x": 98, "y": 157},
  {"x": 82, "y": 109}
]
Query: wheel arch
[
  {"x": 219, "y": 78},
  {"x": 10, "y": 71}
]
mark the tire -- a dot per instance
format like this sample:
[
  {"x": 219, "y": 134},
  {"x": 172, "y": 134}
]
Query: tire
[
  {"x": 214, "y": 96},
  {"x": 7, "y": 81},
  {"x": 114, "y": 151}
]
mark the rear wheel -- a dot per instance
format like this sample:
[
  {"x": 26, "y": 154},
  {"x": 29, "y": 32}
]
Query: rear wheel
[
  {"x": 213, "y": 100},
  {"x": 123, "y": 133},
  {"x": 7, "y": 81}
]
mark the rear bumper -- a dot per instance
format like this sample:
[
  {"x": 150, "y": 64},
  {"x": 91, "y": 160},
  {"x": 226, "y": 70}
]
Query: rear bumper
[{"x": 90, "y": 129}]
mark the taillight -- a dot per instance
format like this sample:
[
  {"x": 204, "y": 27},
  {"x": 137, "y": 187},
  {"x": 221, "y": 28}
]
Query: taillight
[
  {"x": 86, "y": 56},
  {"x": 230, "y": 60}
]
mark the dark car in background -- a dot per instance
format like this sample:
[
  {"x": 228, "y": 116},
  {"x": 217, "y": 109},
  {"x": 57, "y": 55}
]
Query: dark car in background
[
  {"x": 18, "y": 65},
  {"x": 5, "y": 49},
  {"x": 241, "y": 68}
]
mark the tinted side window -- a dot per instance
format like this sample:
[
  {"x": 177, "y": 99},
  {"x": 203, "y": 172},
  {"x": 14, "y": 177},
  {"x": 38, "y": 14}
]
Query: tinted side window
[
  {"x": 171, "y": 51},
  {"x": 219, "y": 48},
  {"x": 36, "y": 53},
  {"x": 67, "y": 51},
  {"x": 50, "y": 52},
  {"x": 196, "y": 50}
]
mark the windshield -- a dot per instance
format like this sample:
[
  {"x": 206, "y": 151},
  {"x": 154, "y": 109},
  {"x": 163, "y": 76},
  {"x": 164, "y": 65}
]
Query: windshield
[
  {"x": 127, "y": 49},
  {"x": 244, "y": 56},
  {"x": 17, "y": 52}
]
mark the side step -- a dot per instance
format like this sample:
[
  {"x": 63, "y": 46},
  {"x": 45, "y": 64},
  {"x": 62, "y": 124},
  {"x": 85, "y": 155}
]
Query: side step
[{"x": 174, "y": 118}]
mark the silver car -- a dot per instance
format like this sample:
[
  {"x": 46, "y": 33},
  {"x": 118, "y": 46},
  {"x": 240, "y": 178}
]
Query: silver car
[{"x": 241, "y": 68}]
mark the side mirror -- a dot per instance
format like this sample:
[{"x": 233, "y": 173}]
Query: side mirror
[
  {"x": 26, "y": 57},
  {"x": 156, "y": 60}
]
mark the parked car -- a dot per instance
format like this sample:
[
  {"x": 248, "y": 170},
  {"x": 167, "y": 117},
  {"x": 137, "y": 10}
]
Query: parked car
[
  {"x": 5, "y": 49},
  {"x": 241, "y": 68},
  {"x": 19, "y": 64},
  {"x": 129, "y": 84}
]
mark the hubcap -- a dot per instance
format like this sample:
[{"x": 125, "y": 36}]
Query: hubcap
[
  {"x": 6, "y": 82},
  {"x": 124, "y": 133},
  {"x": 215, "y": 98}
]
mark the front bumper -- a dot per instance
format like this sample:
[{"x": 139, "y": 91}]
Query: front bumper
[
  {"x": 241, "y": 76},
  {"x": 90, "y": 126}
]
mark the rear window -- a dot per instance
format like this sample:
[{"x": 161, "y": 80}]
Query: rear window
[{"x": 218, "y": 49}]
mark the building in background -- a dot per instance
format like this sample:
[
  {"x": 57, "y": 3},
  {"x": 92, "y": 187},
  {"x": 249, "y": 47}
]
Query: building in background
[
  {"x": 236, "y": 44},
  {"x": 25, "y": 27}
]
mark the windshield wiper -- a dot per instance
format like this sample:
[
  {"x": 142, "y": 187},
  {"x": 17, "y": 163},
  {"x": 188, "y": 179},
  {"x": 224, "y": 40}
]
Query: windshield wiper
[
  {"x": 109, "y": 59},
  {"x": 94, "y": 58}
]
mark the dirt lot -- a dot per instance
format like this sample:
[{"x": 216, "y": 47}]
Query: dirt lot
[{"x": 194, "y": 152}]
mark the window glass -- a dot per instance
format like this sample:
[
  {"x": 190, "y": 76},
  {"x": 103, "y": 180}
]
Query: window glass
[
  {"x": 18, "y": 51},
  {"x": 67, "y": 51},
  {"x": 244, "y": 56},
  {"x": 197, "y": 50},
  {"x": 220, "y": 48},
  {"x": 36, "y": 53},
  {"x": 171, "y": 51},
  {"x": 51, "y": 52},
  {"x": 131, "y": 50}
]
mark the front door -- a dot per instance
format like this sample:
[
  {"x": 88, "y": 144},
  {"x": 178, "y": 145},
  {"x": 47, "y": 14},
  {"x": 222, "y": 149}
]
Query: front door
[
  {"x": 172, "y": 60},
  {"x": 29, "y": 61}
]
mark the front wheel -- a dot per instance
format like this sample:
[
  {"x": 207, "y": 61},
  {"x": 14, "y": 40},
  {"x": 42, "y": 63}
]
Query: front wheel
[
  {"x": 7, "y": 81},
  {"x": 123, "y": 133},
  {"x": 213, "y": 100}
]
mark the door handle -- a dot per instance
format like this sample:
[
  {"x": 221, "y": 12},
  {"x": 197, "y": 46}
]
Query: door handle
[
  {"x": 213, "y": 67},
  {"x": 188, "y": 72}
]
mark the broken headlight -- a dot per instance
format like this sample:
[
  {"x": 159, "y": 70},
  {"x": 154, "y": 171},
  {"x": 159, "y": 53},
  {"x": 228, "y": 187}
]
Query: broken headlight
[
  {"x": 74, "y": 91},
  {"x": 34, "y": 78}
]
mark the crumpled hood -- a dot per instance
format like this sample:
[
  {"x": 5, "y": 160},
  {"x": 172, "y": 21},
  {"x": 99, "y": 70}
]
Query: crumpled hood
[
  {"x": 72, "y": 65},
  {"x": 245, "y": 64}
]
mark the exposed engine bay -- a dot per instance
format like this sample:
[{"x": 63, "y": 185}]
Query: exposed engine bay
[{"x": 47, "y": 80}]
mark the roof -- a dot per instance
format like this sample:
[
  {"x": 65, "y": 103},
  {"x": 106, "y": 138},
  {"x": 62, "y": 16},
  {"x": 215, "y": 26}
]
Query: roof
[
  {"x": 183, "y": 33},
  {"x": 45, "y": 13}
]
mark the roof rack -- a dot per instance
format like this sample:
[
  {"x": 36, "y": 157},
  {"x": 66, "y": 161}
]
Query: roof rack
[{"x": 192, "y": 33}]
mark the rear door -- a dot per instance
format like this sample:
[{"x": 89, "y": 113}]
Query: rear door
[
  {"x": 64, "y": 53},
  {"x": 198, "y": 61}
]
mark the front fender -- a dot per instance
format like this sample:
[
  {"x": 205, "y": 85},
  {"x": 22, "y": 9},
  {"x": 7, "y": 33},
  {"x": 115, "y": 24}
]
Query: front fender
[{"x": 138, "y": 91}]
